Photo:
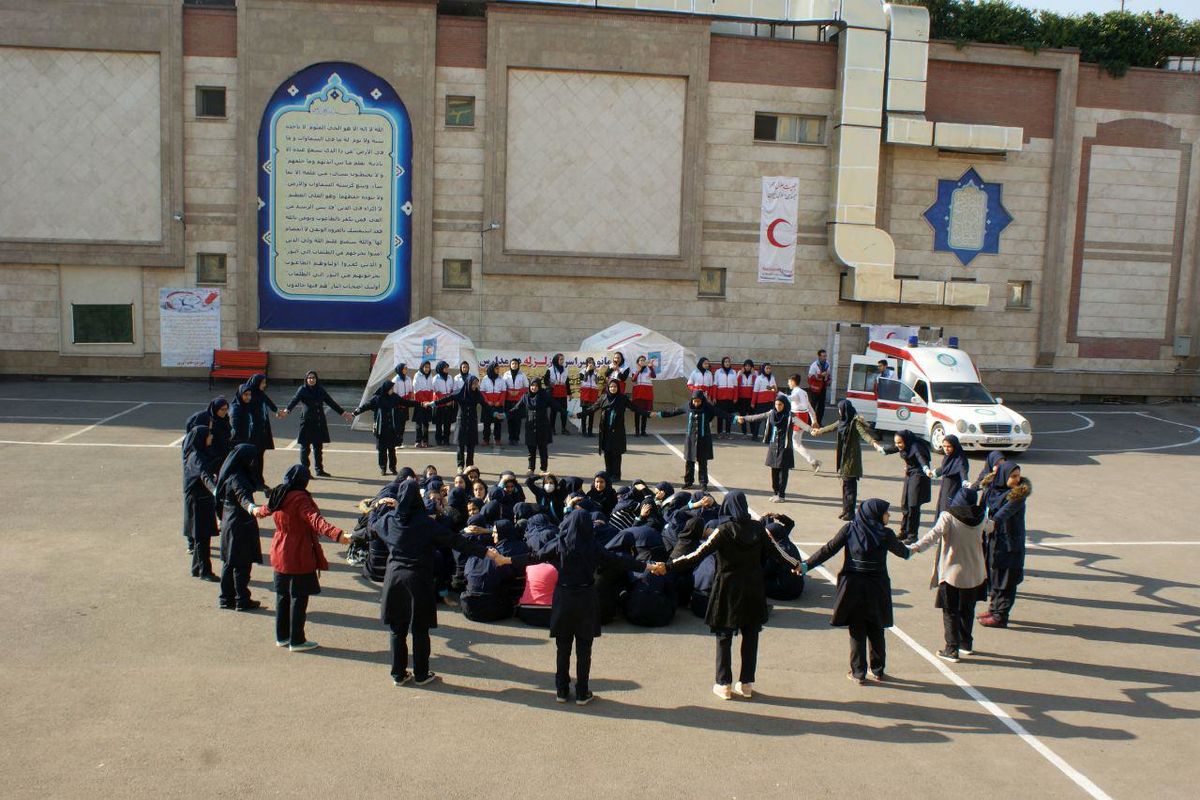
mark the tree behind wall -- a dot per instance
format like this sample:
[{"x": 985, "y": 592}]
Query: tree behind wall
[{"x": 1115, "y": 40}]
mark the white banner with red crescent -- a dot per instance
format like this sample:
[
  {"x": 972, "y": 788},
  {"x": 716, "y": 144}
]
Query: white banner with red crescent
[{"x": 777, "y": 230}]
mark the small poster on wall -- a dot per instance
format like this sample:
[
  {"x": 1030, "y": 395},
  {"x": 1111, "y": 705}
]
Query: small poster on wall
[{"x": 189, "y": 326}]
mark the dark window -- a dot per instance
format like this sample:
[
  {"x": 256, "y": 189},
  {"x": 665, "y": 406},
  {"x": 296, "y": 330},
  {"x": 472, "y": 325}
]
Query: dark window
[
  {"x": 789, "y": 128},
  {"x": 712, "y": 282},
  {"x": 973, "y": 394},
  {"x": 210, "y": 268},
  {"x": 210, "y": 101},
  {"x": 922, "y": 389},
  {"x": 888, "y": 389},
  {"x": 862, "y": 378},
  {"x": 1018, "y": 294},
  {"x": 460, "y": 112},
  {"x": 456, "y": 273},
  {"x": 102, "y": 324}
]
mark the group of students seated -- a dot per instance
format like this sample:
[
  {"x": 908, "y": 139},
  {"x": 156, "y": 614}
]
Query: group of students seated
[{"x": 650, "y": 523}]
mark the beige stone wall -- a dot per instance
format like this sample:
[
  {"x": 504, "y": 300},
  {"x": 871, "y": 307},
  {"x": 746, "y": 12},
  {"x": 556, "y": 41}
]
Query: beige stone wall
[
  {"x": 81, "y": 158},
  {"x": 29, "y": 308}
]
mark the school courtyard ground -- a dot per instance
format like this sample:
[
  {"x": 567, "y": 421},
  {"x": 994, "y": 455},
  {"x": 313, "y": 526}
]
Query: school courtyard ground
[{"x": 119, "y": 677}]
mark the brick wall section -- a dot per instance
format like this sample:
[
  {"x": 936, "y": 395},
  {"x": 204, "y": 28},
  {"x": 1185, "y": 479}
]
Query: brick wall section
[
  {"x": 993, "y": 94},
  {"x": 210, "y": 32},
  {"x": 461, "y": 42},
  {"x": 1150, "y": 90},
  {"x": 743, "y": 59}
]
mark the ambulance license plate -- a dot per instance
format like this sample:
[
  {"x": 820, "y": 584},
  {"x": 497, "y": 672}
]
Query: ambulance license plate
[{"x": 999, "y": 440}]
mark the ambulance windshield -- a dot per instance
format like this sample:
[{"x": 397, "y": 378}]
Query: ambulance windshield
[{"x": 970, "y": 394}]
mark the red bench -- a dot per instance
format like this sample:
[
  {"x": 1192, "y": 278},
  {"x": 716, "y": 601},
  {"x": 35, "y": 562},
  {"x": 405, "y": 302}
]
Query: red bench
[{"x": 240, "y": 364}]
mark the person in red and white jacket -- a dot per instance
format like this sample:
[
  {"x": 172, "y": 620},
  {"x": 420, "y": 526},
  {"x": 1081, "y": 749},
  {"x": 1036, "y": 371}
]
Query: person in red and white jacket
[
  {"x": 765, "y": 390},
  {"x": 617, "y": 371},
  {"x": 589, "y": 393},
  {"x": 493, "y": 386},
  {"x": 402, "y": 387},
  {"x": 559, "y": 382},
  {"x": 423, "y": 393},
  {"x": 701, "y": 380},
  {"x": 516, "y": 384},
  {"x": 643, "y": 393},
  {"x": 798, "y": 398},
  {"x": 443, "y": 386},
  {"x": 725, "y": 384},
  {"x": 745, "y": 393}
]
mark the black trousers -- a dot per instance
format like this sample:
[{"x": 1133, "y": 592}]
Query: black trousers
[
  {"x": 779, "y": 480},
  {"x": 612, "y": 465},
  {"x": 540, "y": 451},
  {"x": 422, "y": 431},
  {"x": 466, "y": 455},
  {"x": 387, "y": 456},
  {"x": 689, "y": 471},
  {"x": 445, "y": 418},
  {"x": 515, "y": 423},
  {"x": 202, "y": 557},
  {"x": 235, "y": 584},
  {"x": 958, "y": 617},
  {"x": 725, "y": 424},
  {"x": 583, "y": 663},
  {"x": 491, "y": 427},
  {"x": 1003, "y": 588},
  {"x": 817, "y": 401},
  {"x": 587, "y": 424},
  {"x": 317, "y": 455},
  {"x": 910, "y": 523},
  {"x": 291, "y": 610},
  {"x": 849, "y": 495},
  {"x": 725, "y": 656},
  {"x": 411, "y": 615},
  {"x": 744, "y": 408},
  {"x": 558, "y": 409},
  {"x": 862, "y": 632}
]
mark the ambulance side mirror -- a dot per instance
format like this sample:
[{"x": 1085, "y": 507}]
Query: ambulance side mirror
[{"x": 999, "y": 401}]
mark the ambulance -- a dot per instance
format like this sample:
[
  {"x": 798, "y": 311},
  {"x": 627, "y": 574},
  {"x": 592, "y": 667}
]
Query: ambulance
[{"x": 933, "y": 391}]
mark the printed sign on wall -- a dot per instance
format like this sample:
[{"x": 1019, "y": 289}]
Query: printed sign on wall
[
  {"x": 189, "y": 323},
  {"x": 968, "y": 217},
  {"x": 334, "y": 203},
  {"x": 777, "y": 230}
]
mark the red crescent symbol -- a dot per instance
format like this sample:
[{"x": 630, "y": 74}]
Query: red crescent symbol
[{"x": 771, "y": 232}]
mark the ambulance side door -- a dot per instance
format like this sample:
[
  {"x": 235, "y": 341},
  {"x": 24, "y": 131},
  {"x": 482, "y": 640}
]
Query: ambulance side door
[{"x": 860, "y": 387}]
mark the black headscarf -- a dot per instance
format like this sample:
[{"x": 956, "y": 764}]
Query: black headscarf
[
  {"x": 998, "y": 492},
  {"x": 401, "y": 369},
  {"x": 846, "y": 415},
  {"x": 867, "y": 529},
  {"x": 295, "y": 479},
  {"x": 506, "y": 531},
  {"x": 956, "y": 463},
  {"x": 734, "y": 507},
  {"x": 442, "y": 369},
  {"x": 964, "y": 507},
  {"x": 195, "y": 441},
  {"x": 470, "y": 389},
  {"x": 216, "y": 405},
  {"x": 491, "y": 371},
  {"x": 384, "y": 388},
  {"x": 238, "y": 461},
  {"x": 700, "y": 362}
]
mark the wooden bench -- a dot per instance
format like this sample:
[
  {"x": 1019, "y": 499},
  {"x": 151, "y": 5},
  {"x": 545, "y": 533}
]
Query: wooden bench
[{"x": 240, "y": 364}]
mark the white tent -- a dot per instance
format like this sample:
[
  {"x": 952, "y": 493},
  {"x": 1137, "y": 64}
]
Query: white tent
[
  {"x": 674, "y": 360},
  {"x": 424, "y": 340}
]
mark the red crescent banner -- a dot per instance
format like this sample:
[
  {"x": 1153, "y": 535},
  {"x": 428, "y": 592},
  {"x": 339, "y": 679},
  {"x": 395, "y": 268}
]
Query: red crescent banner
[{"x": 776, "y": 253}]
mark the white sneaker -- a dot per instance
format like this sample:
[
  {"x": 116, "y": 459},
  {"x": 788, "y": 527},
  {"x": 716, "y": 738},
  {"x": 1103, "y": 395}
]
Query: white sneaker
[
  {"x": 303, "y": 647},
  {"x": 722, "y": 691},
  {"x": 774, "y": 499},
  {"x": 745, "y": 690},
  {"x": 816, "y": 465},
  {"x": 962, "y": 651}
]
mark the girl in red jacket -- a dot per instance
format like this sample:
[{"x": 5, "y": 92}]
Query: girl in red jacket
[{"x": 296, "y": 555}]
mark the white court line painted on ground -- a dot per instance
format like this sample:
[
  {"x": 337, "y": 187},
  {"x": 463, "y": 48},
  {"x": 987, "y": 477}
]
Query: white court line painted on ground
[
  {"x": 1193, "y": 440},
  {"x": 85, "y": 444},
  {"x": 1088, "y": 423},
  {"x": 98, "y": 424},
  {"x": 1081, "y": 780},
  {"x": 60, "y": 419},
  {"x": 85, "y": 400},
  {"x": 178, "y": 441}
]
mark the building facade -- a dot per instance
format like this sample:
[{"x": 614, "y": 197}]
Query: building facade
[{"x": 543, "y": 170}]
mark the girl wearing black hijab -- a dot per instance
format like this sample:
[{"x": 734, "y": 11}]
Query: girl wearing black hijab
[
  {"x": 589, "y": 393},
  {"x": 574, "y": 614},
  {"x": 216, "y": 419},
  {"x": 602, "y": 493},
  {"x": 954, "y": 471},
  {"x": 617, "y": 371},
  {"x": 643, "y": 392},
  {"x": 538, "y": 408},
  {"x": 261, "y": 406},
  {"x": 241, "y": 547},
  {"x": 612, "y": 407},
  {"x": 409, "y": 599},
  {"x": 492, "y": 387},
  {"x": 199, "y": 510},
  {"x": 698, "y": 441},
  {"x": 780, "y": 458},
  {"x": 314, "y": 430},
  {"x": 296, "y": 555},
  {"x": 725, "y": 381},
  {"x": 470, "y": 405},
  {"x": 863, "y": 601},
  {"x": 423, "y": 393},
  {"x": 1006, "y": 546},
  {"x": 851, "y": 433},
  {"x": 916, "y": 491},
  {"x": 959, "y": 574},
  {"x": 389, "y": 410},
  {"x": 443, "y": 387},
  {"x": 738, "y": 602},
  {"x": 558, "y": 384}
]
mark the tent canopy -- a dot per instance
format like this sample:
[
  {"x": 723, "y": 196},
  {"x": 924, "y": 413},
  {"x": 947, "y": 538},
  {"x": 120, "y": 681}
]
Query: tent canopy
[
  {"x": 674, "y": 360},
  {"x": 426, "y": 339}
]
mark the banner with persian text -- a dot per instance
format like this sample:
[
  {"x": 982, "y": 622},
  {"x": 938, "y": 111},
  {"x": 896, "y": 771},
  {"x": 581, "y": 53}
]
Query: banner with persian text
[
  {"x": 189, "y": 326},
  {"x": 777, "y": 230},
  {"x": 334, "y": 203}
]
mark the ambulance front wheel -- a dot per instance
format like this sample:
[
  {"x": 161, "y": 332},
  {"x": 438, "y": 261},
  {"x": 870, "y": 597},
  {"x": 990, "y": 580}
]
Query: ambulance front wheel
[{"x": 937, "y": 435}]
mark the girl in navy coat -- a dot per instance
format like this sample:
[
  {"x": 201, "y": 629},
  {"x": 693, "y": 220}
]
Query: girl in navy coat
[
  {"x": 698, "y": 444},
  {"x": 916, "y": 491},
  {"x": 216, "y": 419},
  {"x": 199, "y": 508},
  {"x": 314, "y": 430},
  {"x": 1006, "y": 545},
  {"x": 780, "y": 458},
  {"x": 472, "y": 406},
  {"x": 612, "y": 407},
  {"x": 390, "y": 415},
  {"x": 954, "y": 471},
  {"x": 538, "y": 408},
  {"x": 241, "y": 547}
]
